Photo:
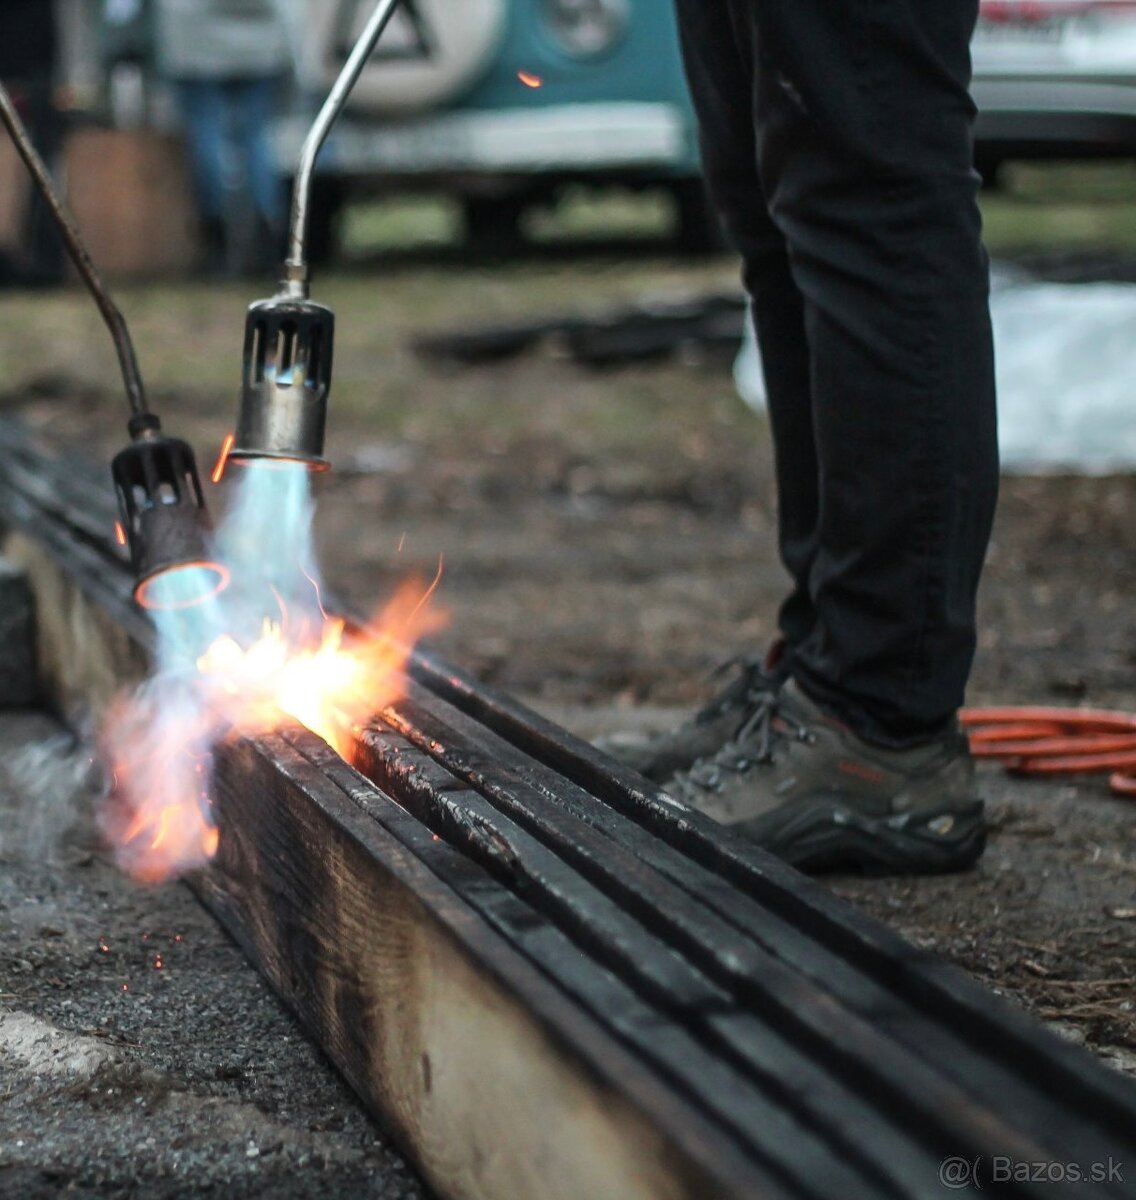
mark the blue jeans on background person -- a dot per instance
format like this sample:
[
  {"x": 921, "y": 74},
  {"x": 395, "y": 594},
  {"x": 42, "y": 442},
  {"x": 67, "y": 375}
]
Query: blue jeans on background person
[{"x": 227, "y": 124}]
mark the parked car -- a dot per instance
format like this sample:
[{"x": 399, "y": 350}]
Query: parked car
[
  {"x": 1055, "y": 79},
  {"x": 502, "y": 103}
]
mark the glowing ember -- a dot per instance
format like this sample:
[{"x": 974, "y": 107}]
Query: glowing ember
[
  {"x": 119, "y": 533},
  {"x": 529, "y": 79}
]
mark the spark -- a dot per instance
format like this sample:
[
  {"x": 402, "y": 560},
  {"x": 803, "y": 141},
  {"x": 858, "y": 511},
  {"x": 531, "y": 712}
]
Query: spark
[
  {"x": 223, "y": 458},
  {"x": 119, "y": 533},
  {"x": 530, "y": 80},
  {"x": 316, "y": 589}
]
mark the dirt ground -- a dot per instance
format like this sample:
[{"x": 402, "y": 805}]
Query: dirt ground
[{"x": 608, "y": 538}]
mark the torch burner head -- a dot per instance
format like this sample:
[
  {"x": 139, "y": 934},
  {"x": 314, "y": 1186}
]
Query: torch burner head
[
  {"x": 164, "y": 517},
  {"x": 285, "y": 382}
]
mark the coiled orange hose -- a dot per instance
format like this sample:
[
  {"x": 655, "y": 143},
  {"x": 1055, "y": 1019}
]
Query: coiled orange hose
[{"x": 1037, "y": 740}]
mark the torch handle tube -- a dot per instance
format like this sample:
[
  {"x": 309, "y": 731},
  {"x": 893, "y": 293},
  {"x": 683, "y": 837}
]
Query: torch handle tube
[
  {"x": 317, "y": 135},
  {"x": 114, "y": 319}
]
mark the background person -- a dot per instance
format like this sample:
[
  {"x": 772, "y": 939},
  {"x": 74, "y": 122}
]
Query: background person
[
  {"x": 28, "y": 52},
  {"x": 227, "y": 60}
]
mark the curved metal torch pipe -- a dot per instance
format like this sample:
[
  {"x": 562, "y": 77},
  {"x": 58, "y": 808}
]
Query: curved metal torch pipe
[
  {"x": 114, "y": 319},
  {"x": 332, "y": 107}
]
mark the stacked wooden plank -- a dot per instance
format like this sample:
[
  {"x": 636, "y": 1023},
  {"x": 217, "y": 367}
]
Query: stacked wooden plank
[{"x": 552, "y": 980}]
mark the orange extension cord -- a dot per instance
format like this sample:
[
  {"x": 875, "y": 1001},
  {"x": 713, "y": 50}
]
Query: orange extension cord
[{"x": 1057, "y": 741}]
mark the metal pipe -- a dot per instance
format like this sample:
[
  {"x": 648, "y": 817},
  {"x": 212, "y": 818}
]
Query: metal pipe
[
  {"x": 332, "y": 107},
  {"x": 116, "y": 323}
]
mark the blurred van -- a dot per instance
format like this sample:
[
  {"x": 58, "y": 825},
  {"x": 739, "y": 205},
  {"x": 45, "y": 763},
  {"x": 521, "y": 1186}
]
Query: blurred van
[
  {"x": 1055, "y": 79},
  {"x": 500, "y": 103}
]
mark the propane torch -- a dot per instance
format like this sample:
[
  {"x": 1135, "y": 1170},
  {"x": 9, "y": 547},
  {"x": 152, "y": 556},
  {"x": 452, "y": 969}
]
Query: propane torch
[
  {"x": 286, "y": 367},
  {"x": 159, "y": 493}
]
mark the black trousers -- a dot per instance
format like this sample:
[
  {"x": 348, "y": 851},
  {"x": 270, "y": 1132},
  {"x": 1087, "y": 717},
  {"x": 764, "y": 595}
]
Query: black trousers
[{"x": 837, "y": 147}]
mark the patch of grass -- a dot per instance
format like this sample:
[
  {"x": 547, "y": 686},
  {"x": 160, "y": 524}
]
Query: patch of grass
[
  {"x": 429, "y": 220},
  {"x": 1062, "y": 206},
  {"x": 580, "y": 214}
]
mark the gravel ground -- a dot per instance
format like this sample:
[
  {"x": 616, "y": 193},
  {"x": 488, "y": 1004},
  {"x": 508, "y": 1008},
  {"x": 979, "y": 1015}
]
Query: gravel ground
[{"x": 140, "y": 1054}]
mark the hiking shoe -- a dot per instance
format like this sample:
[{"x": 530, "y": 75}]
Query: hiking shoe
[
  {"x": 661, "y": 755},
  {"x": 802, "y": 785}
]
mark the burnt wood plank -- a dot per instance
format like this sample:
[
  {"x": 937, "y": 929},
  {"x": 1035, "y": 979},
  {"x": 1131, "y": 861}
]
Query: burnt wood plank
[
  {"x": 944, "y": 994},
  {"x": 646, "y": 873},
  {"x": 794, "y": 1150},
  {"x": 497, "y": 1082},
  {"x": 492, "y": 1079},
  {"x": 784, "y": 1074},
  {"x": 790, "y": 1004}
]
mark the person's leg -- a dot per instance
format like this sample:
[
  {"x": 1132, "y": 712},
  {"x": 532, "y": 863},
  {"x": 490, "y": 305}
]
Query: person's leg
[
  {"x": 862, "y": 123},
  {"x": 202, "y": 106},
  {"x": 256, "y": 108},
  {"x": 41, "y": 235},
  {"x": 864, "y": 149},
  {"x": 719, "y": 57}
]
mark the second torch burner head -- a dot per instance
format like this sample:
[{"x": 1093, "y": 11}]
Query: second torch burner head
[{"x": 286, "y": 379}]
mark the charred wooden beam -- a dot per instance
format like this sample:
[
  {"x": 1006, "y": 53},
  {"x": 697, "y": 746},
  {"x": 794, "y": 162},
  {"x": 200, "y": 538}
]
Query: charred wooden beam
[{"x": 551, "y": 979}]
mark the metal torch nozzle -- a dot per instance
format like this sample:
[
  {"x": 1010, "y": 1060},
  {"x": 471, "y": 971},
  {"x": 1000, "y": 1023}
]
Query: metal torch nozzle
[
  {"x": 286, "y": 378},
  {"x": 159, "y": 494},
  {"x": 165, "y": 519},
  {"x": 288, "y": 339}
]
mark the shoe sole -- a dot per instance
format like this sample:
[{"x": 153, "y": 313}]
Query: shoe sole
[{"x": 825, "y": 834}]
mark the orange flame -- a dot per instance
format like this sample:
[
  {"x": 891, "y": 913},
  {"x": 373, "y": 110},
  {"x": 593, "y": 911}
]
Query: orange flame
[
  {"x": 530, "y": 80},
  {"x": 329, "y": 688},
  {"x": 161, "y": 818}
]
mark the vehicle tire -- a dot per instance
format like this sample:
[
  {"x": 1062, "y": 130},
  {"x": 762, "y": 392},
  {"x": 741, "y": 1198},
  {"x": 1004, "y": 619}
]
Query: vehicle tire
[
  {"x": 990, "y": 169},
  {"x": 463, "y": 42},
  {"x": 697, "y": 228},
  {"x": 493, "y": 223},
  {"x": 325, "y": 218}
]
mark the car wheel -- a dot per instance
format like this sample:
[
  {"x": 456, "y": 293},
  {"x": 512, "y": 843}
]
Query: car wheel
[
  {"x": 325, "y": 218},
  {"x": 493, "y": 223}
]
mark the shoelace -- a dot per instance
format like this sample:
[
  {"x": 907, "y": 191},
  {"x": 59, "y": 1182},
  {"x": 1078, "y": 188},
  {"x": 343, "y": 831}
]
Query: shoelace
[
  {"x": 750, "y": 687},
  {"x": 768, "y": 724}
]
